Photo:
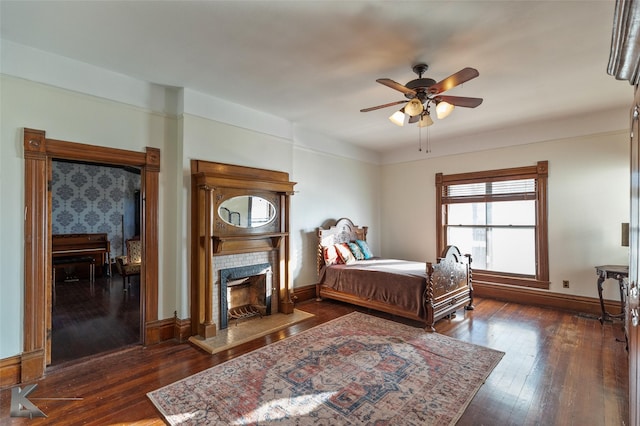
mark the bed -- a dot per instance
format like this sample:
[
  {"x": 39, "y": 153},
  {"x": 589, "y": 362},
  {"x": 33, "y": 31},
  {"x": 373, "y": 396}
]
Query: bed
[{"x": 419, "y": 291}]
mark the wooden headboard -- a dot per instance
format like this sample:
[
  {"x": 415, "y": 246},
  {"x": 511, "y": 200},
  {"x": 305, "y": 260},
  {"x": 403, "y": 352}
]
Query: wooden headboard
[{"x": 343, "y": 231}]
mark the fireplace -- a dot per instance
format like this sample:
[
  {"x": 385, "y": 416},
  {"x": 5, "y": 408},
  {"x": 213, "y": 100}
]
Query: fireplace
[
  {"x": 245, "y": 292},
  {"x": 261, "y": 198}
]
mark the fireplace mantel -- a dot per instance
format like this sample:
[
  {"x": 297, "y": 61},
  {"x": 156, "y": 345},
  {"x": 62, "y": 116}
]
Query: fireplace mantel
[
  {"x": 214, "y": 187},
  {"x": 236, "y": 244}
]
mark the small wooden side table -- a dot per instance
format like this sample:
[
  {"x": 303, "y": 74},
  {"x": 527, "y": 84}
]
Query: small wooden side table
[{"x": 619, "y": 273}]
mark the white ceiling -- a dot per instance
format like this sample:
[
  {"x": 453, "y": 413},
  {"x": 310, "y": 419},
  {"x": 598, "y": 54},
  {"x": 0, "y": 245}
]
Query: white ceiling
[{"x": 315, "y": 63}]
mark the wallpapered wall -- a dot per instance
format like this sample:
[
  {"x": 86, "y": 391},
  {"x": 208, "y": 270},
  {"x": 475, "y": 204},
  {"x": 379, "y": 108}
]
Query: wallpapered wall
[{"x": 89, "y": 199}]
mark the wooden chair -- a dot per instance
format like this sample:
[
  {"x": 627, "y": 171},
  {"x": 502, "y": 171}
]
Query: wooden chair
[{"x": 130, "y": 264}]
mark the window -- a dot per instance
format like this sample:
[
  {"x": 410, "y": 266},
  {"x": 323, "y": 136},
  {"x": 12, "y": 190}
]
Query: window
[{"x": 500, "y": 218}]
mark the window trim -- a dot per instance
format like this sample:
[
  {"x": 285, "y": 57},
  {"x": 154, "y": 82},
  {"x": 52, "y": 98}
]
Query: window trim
[{"x": 540, "y": 173}]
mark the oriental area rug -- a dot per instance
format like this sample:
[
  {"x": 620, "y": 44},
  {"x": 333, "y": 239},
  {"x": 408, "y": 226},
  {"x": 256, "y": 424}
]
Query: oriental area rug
[{"x": 356, "y": 369}]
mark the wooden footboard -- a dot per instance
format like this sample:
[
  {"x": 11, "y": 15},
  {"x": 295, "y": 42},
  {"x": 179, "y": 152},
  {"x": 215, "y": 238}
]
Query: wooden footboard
[{"x": 449, "y": 286}]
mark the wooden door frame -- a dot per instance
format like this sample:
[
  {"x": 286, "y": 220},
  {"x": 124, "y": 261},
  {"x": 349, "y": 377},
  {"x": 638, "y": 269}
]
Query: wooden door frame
[
  {"x": 633, "y": 332},
  {"x": 38, "y": 153}
]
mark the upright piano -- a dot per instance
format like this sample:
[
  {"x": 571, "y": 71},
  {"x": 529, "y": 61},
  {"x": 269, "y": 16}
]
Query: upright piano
[{"x": 81, "y": 248}]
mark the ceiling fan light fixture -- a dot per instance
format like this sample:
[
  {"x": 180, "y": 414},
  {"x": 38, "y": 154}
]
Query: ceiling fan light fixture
[
  {"x": 424, "y": 93},
  {"x": 425, "y": 121},
  {"x": 414, "y": 107},
  {"x": 443, "y": 109},
  {"x": 397, "y": 118}
]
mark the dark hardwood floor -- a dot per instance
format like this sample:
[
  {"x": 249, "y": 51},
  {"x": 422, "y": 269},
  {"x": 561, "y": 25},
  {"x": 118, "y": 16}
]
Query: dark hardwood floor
[
  {"x": 93, "y": 318},
  {"x": 559, "y": 369}
]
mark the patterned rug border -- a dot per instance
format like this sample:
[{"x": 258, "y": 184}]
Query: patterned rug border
[{"x": 330, "y": 324}]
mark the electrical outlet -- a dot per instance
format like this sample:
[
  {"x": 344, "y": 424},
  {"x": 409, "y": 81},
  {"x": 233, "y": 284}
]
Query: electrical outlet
[{"x": 565, "y": 283}]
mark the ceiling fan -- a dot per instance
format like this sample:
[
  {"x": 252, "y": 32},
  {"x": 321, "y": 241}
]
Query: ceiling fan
[{"x": 424, "y": 92}]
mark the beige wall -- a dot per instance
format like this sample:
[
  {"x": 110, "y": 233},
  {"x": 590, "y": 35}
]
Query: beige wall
[
  {"x": 329, "y": 186},
  {"x": 69, "y": 116},
  {"x": 588, "y": 200}
]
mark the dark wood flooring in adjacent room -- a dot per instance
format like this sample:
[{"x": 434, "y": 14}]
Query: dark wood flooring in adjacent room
[
  {"x": 89, "y": 319},
  {"x": 559, "y": 369}
]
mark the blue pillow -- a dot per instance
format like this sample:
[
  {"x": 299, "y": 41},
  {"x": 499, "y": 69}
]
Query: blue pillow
[
  {"x": 364, "y": 247},
  {"x": 355, "y": 249}
]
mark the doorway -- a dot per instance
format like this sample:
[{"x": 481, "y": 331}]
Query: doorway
[
  {"x": 94, "y": 210},
  {"x": 39, "y": 153}
]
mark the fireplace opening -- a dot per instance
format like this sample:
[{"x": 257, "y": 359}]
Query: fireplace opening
[
  {"x": 246, "y": 297},
  {"x": 245, "y": 292}
]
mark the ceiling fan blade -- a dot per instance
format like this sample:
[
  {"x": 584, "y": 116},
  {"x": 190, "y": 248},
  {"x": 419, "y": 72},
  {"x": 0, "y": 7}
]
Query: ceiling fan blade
[
  {"x": 383, "y": 106},
  {"x": 460, "y": 101},
  {"x": 397, "y": 86},
  {"x": 453, "y": 80}
]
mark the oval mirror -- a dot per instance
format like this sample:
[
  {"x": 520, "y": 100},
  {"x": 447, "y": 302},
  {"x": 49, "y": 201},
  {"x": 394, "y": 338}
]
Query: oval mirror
[{"x": 247, "y": 211}]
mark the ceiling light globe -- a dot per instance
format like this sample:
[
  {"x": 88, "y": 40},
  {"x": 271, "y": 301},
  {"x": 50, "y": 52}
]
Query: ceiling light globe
[
  {"x": 443, "y": 109},
  {"x": 414, "y": 107},
  {"x": 425, "y": 121},
  {"x": 397, "y": 118}
]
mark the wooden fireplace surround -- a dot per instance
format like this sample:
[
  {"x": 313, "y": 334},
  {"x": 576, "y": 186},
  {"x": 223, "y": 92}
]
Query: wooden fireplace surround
[{"x": 211, "y": 236}]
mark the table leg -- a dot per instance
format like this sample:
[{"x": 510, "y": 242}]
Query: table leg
[
  {"x": 601, "y": 279},
  {"x": 622, "y": 296}
]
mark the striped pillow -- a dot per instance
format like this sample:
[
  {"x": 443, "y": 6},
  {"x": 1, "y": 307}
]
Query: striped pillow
[
  {"x": 345, "y": 253},
  {"x": 330, "y": 255}
]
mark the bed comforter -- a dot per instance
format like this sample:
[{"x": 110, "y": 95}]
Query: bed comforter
[{"x": 397, "y": 282}]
